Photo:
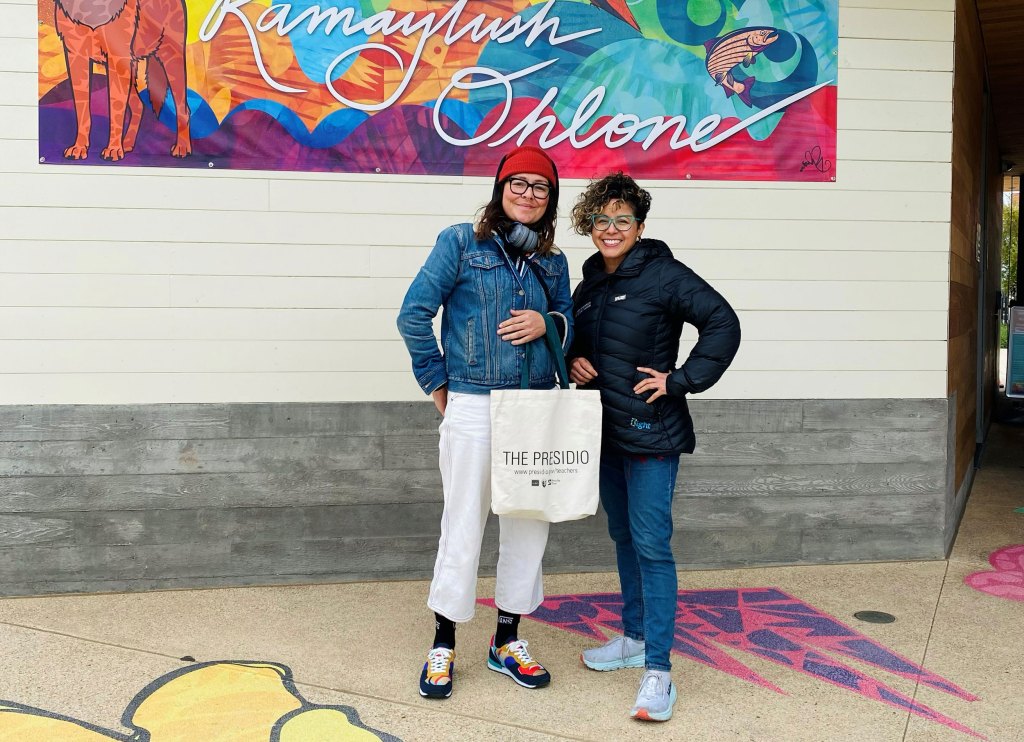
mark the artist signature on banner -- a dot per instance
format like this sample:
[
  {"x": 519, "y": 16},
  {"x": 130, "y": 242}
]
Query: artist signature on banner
[{"x": 814, "y": 159}]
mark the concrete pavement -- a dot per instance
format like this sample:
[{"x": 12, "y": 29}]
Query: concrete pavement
[{"x": 766, "y": 655}]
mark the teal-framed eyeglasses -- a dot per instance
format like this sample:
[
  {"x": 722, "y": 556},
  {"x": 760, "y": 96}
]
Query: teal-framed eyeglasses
[
  {"x": 520, "y": 186},
  {"x": 601, "y": 222}
]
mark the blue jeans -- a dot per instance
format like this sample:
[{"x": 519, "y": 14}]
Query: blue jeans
[{"x": 636, "y": 492}]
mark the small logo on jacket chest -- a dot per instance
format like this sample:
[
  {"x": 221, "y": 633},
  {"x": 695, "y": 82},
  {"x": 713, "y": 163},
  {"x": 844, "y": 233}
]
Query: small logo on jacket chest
[{"x": 618, "y": 297}]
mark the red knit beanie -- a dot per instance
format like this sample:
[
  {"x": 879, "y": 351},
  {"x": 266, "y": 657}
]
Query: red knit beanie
[{"x": 528, "y": 159}]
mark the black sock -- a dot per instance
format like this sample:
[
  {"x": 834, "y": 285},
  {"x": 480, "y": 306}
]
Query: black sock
[
  {"x": 508, "y": 625},
  {"x": 444, "y": 631}
]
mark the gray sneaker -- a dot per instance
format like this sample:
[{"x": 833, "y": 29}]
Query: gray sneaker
[
  {"x": 620, "y": 652},
  {"x": 656, "y": 697}
]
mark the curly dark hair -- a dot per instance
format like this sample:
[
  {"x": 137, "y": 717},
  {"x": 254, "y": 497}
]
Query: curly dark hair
[
  {"x": 615, "y": 187},
  {"x": 492, "y": 218}
]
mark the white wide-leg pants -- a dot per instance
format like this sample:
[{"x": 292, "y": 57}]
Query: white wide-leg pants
[{"x": 465, "y": 459}]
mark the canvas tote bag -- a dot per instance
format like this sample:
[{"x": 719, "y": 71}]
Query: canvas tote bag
[{"x": 545, "y": 445}]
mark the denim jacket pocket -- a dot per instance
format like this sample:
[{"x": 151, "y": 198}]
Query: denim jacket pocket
[
  {"x": 489, "y": 276},
  {"x": 550, "y": 267},
  {"x": 471, "y": 342},
  {"x": 487, "y": 271},
  {"x": 466, "y": 342},
  {"x": 484, "y": 260}
]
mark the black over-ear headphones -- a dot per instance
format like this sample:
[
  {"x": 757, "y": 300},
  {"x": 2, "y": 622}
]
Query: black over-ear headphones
[{"x": 520, "y": 238}]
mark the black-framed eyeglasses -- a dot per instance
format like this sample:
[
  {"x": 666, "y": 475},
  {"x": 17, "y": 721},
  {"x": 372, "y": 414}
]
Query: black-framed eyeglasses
[
  {"x": 519, "y": 186},
  {"x": 601, "y": 222}
]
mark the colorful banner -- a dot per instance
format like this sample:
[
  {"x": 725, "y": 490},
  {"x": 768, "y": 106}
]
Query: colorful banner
[{"x": 663, "y": 89}]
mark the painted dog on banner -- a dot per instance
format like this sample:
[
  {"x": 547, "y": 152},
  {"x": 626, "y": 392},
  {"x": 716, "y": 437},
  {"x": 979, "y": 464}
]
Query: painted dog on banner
[{"x": 120, "y": 34}]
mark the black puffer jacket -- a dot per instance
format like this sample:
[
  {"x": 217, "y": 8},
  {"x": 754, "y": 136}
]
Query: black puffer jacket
[{"x": 634, "y": 317}]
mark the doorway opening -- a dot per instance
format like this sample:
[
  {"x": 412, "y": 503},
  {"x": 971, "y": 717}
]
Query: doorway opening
[{"x": 1008, "y": 265}]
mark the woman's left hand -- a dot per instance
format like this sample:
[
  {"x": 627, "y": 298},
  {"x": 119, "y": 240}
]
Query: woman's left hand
[
  {"x": 524, "y": 325},
  {"x": 656, "y": 383}
]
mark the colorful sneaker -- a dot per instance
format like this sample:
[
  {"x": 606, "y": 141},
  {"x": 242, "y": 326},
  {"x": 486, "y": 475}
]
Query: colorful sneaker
[
  {"x": 438, "y": 672},
  {"x": 620, "y": 652},
  {"x": 514, "y": 660},
  {"x": 656, "y": 697}
]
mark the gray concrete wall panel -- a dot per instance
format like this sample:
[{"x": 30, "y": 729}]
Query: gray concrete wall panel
[{"x": 115, "y": 498}]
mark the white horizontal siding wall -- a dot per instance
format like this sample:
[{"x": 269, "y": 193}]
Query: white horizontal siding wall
[{"x": 142, "y": 285}]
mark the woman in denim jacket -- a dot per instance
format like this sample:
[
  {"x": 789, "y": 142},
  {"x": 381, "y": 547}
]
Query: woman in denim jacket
[{"x": 495, "y": 280}]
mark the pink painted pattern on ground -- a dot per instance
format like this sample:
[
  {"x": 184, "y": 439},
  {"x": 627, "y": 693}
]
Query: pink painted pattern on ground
[
  {"x": 1008, "y": 579},
  {"x": 772, "y": 625}
]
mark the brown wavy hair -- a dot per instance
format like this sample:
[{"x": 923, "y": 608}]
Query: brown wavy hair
[
  {"x": 492, "y": 218},
  {"x": 615, "y": 187}
]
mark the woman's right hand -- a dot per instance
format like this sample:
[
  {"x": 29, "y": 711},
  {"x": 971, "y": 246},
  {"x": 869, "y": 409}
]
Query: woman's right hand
[
  {"x": 440, "y": 396},
  {"x": 581, "y": 372}
]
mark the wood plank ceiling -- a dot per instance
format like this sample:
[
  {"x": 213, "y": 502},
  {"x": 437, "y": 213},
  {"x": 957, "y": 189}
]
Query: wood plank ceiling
[{"x": 1002, "y": 26}]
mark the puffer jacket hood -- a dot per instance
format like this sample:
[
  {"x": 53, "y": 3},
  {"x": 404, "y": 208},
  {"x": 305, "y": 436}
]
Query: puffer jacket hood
[{"x": 634, "y": 318}]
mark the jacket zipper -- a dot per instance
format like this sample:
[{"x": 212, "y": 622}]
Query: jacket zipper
[
  {"x": 597, "y": 325},
  {"x": 604, "y": 303}
]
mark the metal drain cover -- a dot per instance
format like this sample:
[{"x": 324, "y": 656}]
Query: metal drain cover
[{"x": 874, "y": 616}]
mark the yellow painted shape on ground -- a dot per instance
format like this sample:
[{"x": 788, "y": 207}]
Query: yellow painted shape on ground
[
  {"x": 19, "y": 724},
  {"x": 226, "y": 702},
  {"x": 323, "y": 725},
  {"x": 216, "y": 702}
]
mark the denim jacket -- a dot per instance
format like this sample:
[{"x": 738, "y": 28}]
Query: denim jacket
[{"x": 474, "y": 283}]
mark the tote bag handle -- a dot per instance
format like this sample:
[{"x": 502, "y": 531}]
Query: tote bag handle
[{"x": 554, "y": 346}]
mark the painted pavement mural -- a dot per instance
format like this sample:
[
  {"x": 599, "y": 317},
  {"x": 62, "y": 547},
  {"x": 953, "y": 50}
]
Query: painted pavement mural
[
  {"x": 1007, "y": 581},
  {"x": 770, "y": 624},
  {"x": 665, "y": 89},
  {"x": 227, "y": 701},
  {"x": 212, "y": 702}
]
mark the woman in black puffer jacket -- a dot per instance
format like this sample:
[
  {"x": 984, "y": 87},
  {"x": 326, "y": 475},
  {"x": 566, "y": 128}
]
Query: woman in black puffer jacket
[{"x": 629, "y": 315}]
